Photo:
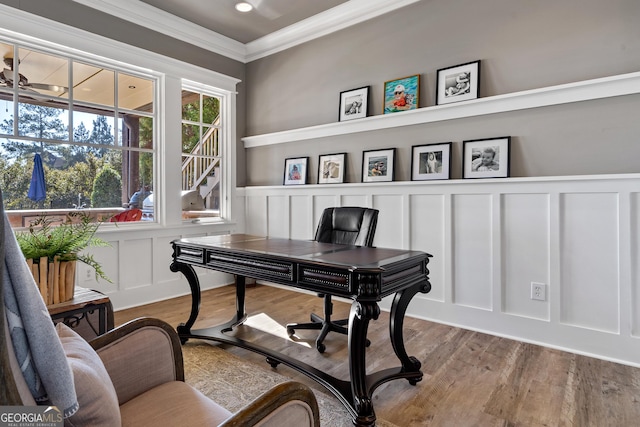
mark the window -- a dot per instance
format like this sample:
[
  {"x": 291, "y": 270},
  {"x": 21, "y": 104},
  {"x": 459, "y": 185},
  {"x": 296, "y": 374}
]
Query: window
[
  {"x": 201, "y": 152},
  {"x": 92, "y": 125}
]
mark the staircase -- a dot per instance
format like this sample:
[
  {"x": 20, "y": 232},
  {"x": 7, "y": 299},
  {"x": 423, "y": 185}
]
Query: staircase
[{"x": 197, "y": 170}]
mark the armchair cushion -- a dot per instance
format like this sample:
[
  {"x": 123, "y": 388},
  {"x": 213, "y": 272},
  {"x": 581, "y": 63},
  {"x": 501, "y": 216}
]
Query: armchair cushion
[
  {"x": 140, "y": 355},
  {"x": 172, "y": 404},
  {"x": 96, "y": 394}
]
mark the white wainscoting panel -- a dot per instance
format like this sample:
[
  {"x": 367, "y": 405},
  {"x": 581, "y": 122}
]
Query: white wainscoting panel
[
  {"x": 352, "y": 200},
  {"x": 427, "y": 225},
  {"x": 136, "y": 259},
  {"x": 525, "y": 228},
  {"x": 490, "y": 239},
  {"x": 256, "y": 215},
  {"x": 590, "y": 255},
  {"x": 634, "y": 256},
  {"x": 300, "y": 214},
  {"x": 278, "y": 216},
  {"x": 389, "y": 231},
  {"x": 473, "y": 250}
]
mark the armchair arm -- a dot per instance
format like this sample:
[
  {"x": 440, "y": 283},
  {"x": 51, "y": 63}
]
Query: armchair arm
[
  {"x": 287, "y": 404},
  {"x": 140, "y": 355}
]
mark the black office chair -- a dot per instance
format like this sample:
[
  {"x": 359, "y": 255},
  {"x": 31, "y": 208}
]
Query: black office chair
[{"x": 345, "y": 226}]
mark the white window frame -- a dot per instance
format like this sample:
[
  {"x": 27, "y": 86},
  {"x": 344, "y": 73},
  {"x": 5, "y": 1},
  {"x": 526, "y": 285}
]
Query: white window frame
[{"x": 25, "y": 28}]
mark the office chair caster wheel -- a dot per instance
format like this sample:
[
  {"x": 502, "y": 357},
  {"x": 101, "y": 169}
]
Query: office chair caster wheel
[
  {"x": 274, "y": 363},
  {"x": 290, "y": 331},
  {"x": 368, "y": 343},
  {"x": 321, "y": 347}
]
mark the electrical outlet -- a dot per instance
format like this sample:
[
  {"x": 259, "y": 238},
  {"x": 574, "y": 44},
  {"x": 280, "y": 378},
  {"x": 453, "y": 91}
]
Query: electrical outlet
[
  {"x": 88, "y": 274},
  {"x": 538, "y": 291}
]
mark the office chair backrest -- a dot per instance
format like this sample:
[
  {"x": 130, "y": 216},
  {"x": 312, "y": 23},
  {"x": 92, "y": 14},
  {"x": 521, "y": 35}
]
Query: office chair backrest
[{"x": 347, "y": 226}]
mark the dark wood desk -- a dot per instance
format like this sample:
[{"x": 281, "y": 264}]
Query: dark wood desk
[{"x": 365, "y": 275}]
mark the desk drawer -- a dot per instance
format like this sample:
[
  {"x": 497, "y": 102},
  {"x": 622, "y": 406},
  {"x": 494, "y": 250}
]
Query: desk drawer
[
  {"x": 257, "y": 268},
  {"x": 189, "y": 255},
  {"x": 319, "y": 279}
]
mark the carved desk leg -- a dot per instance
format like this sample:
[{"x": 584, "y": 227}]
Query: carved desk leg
[
  {"x": 398, "y": 309},
  {"x": 241, "y": 314},
  {"x": 194, "y": 284},
  {"x": 364, "y": 309}
]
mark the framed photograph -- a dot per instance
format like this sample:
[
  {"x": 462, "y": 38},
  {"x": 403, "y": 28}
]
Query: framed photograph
[
  {"x": 354, "y": 104},
  {"x": 331, "y": 168},
  {"x": 295, "y": 171},
  {"x": 431, "y": 161},
  {"x": 378, "y": 165},
  {"x": 401, "y": 94},
  {"x": 458, "y": 83},
  {"x": 486, "y": 158}
]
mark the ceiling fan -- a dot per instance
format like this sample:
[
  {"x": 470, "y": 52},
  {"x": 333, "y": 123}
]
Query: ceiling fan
[
  {"x": 264, "y": 9},
  {"x": 8, "y": 75}
]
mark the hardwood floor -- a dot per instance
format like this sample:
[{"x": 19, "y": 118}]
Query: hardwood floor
[{"x": 470, "y": 378}]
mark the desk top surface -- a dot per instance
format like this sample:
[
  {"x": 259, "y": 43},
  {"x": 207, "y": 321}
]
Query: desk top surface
[{"x": 304, "y": 250}]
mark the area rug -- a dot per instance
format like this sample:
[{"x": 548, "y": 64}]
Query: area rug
[{"x": 233, "y": 382}]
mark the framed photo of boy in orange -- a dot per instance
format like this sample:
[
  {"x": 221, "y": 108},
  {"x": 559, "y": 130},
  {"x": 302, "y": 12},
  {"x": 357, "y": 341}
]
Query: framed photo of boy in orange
[{"x": 401, "y": 94}]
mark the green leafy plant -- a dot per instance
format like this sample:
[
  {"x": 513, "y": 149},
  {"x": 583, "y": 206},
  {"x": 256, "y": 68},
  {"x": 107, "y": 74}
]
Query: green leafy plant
[{"x": 66, "y": 241}]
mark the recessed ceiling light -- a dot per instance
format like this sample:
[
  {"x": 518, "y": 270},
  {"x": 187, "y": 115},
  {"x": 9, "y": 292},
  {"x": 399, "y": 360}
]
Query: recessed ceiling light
[{"x": 243, "y": 7}]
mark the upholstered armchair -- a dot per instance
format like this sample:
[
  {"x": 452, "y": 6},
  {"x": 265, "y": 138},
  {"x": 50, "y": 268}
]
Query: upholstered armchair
[
  {"x": 344, "y": 226},
  {"x": 131, "y": 376}
]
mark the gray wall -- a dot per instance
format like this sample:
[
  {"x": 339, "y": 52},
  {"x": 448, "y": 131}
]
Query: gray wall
[
  {"x": 79, "y": 16},
  {"x": 523, "y": 44}
]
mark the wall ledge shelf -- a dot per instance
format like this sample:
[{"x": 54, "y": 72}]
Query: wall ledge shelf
[{"x": 606, "y": 87}]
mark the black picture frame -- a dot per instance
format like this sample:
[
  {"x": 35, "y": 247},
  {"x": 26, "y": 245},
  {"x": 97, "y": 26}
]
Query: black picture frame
[
  {"x": 295, "y": 170},
  {"x": 354, "y": 104},
  {"x": 332, "y": 168},
  {"x": 378, "y": 165},
  {"x": 476, "y": 162},
  {"x": 458, "y": 83},
  {"x": 431, "y": 161}
]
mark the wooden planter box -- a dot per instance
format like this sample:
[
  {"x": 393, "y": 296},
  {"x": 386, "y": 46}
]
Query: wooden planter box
[{"x": 56, "y": 280}]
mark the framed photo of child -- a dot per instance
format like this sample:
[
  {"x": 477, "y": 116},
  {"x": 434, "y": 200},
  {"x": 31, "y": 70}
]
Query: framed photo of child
[
  {"x": 401, "y": 94},
  {"x": 486, "y": 158},
  {"x": 354, "y": 104},
  {"x": 431, "y": 161},
  {"x": 378, "y": 165},
  {"x": 458, "y": 83},
  {"x": 295, "y": 171}
]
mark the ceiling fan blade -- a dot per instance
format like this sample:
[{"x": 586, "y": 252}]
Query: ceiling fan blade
[
  {"x": 43, "y": 86},
  {"x": 263, "y": 9}
]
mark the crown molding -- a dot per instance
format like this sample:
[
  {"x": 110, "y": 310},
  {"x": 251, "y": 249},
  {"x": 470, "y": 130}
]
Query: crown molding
[
  {"x": 335, "y": 19},
  {"x": 147, "y": 16}
]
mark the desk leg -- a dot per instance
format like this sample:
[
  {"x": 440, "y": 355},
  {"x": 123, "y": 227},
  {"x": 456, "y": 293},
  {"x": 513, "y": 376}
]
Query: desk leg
[
  {"x": 241, "y": 314},
  {"x": 194, "y": 284},
  {"x": 398, "y": 309},
  {"x": 360, "y": 315}
]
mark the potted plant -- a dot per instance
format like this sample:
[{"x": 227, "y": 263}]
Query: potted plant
[{"x": 52, "y": 250}]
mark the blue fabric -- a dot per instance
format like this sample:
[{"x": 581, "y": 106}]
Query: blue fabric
[
  {"x": 36, "y": 344},
  {"x": 38, "y": 187}
]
